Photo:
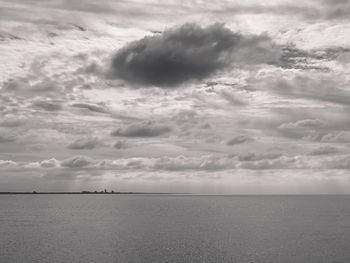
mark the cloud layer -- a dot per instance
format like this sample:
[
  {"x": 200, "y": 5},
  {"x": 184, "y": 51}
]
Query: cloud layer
[{"x": 189, "y": 52}]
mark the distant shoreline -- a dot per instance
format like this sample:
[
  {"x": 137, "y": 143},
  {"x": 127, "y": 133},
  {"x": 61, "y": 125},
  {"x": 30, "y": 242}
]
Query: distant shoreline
[{"x": 81, "y": 193}]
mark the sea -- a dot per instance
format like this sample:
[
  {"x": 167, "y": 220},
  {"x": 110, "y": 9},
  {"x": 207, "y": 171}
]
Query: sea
[{"x": 174, "y": 228}]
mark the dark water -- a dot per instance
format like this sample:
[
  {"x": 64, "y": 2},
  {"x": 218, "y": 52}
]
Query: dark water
[{"x": 134, "y": 228}]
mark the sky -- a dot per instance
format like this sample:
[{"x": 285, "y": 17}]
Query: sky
[{"x": 209, "y": 97}]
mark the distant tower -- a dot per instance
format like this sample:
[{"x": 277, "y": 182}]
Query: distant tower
[{"x": 105, "y": 190}]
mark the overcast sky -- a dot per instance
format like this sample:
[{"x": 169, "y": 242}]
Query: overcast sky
[{"x": 175, "y": 96}]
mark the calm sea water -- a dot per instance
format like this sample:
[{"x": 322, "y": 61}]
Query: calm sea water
[{"x": 138, "y": 228}]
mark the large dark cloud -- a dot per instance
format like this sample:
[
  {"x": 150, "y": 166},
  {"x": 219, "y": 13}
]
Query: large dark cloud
[{"x": 189, "y": 52}]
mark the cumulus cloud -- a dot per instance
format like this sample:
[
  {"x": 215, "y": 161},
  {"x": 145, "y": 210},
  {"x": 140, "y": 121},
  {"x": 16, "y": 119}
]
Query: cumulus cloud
[
  {"x": 77, "y": 162},
  {"x": 145, "y": 129},
  {"x": 84, "y": 143},
  {"x": 6, "y": 164},
  {"x": 189, "y": 52},
  {"x": 51, "y": 163},
  {"x": 239, "y": 140}
]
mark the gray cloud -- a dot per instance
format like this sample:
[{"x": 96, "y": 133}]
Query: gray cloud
[
  {"x": 84, "y": 143},
  {"x": 336, "y": 9},
  {"x": 51, "y": 163},
  {"x": 336, "y": 137},
  {"x": 307, "y": 123},
  {"x": 120, "y": 145},
  {"x": 90, "y": 107},
  {"x": 7, "y": 138},
  {"x": 48, "y": 105},
  {"x": 239, "y": 140},
  {"x": 324, "y": 150},
  {"x": 77, "y": 162},
  {"x": 22, "y": 87},
  {"x": 187, "y": 53},
  {"x": 257, "y": 157},
  {"x": 317, "y": 87},
  {"x": 147, "y": 129},
  {"x": 283, "y": 162},
  {"x": 12, "y": 121}
]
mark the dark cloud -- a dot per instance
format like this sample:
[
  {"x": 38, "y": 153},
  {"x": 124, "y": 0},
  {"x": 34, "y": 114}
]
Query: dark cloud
[
  {"x": 324, "y": 150},
  {"x": 336, "y": 9},
  {"x": 7, "y": 138},
  {"x": 147, "y": 129},
  {"x": 232, "y": 98},
  {"x": 84, "y": 143},
  {"x": 187, "y": 53},
  {"x": 258, "y": 157},
  {"x": 12, "y": 121},
  {"x": 90, "y": 107},
  {"x": 120, "y": 145},
  {"x": 294, "y": 58},
  {"x": 239, "y": 140},
  {"x": 48, "y": 105}
]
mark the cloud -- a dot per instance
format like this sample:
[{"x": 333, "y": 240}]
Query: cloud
[
  {"x": 51, "y": 163},
  {"x": 239, "y": 140},
  {"x": 147, "y": 129},
  {"x": 258, "y": 157},
  {"x": 84, "y": 143},
  {"x": 7, "y": 138},
  {"x": 283, "y": 162},
  {"x": 324, "y": 150},
  {"x": 6, "y": 164},
  {"x": 337, "y": 137},
  {"x": 120, "y": 145},
  {"x": 90, "y": 107},
  {"x": 22, "y": 87},
  {"x": 206, "y": 163},
  {"x": 48, "y": 105},
  {"x": 336, "y": 9},
  {"x": 77, "y": 162},
  {"x": 12, "y": 121},
  {"x": 317, "y": 87},
  {"x": 189, "y": 52},
  {"x": 307, "y": 124}
]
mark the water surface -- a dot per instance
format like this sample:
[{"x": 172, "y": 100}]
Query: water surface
[{"x": 172, "y": 228}]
